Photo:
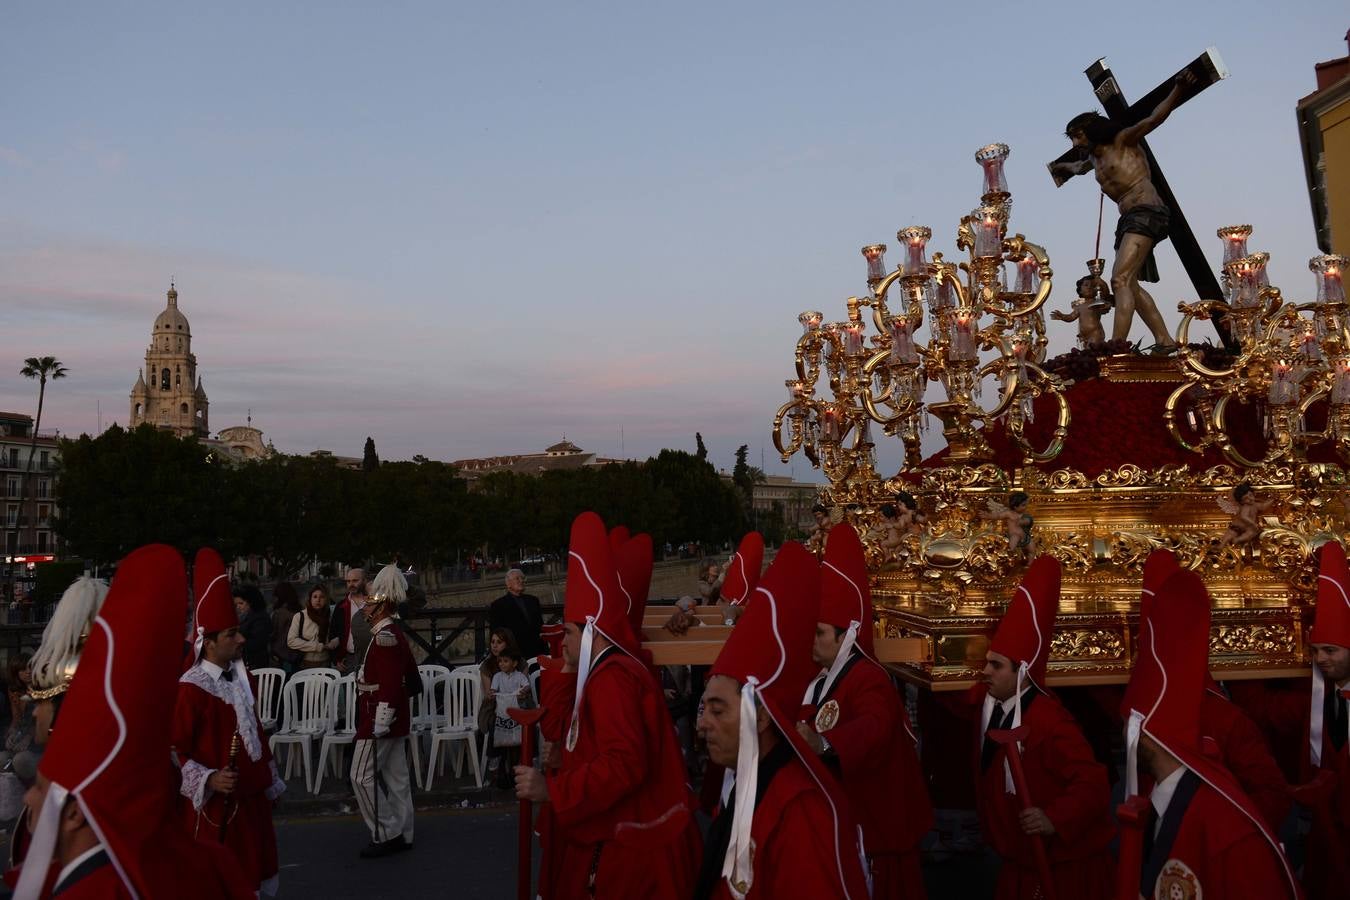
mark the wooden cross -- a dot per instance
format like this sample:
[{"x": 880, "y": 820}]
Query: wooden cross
[{"x": 1208, "y": 69}]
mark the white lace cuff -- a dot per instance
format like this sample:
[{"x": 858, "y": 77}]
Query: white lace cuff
[
  {"x": 194, "y": 783},
  {"x": 278, "y": 787}
]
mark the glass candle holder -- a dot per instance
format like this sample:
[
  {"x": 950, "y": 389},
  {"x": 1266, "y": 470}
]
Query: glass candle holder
[
  {"x": 875, "y": 254},
  {"x": 915, "y": 241},
  {"x": 902, "y": 341},
  {"x": 990, "y": 158},
  {"x": 945, "y": 295},
  {"x": 964, "y": 329},
  {"x": 1283, "y": 388},
  {"x": 1244, "y": 277},
  {"x": 1308, "y": 346},
  {"x": 852, "y": 335},
  {"x": 810, "y": 321},
  {"x": 988, "y": 238},
  {"x": 1027, "y": 268},
  {"x": 830, "y": 426},
  {"x": 1329, "y": 269},
  {"x": 1340, "y": 385},
  {"x": 1234, "y": 239},
  {"x": 796, "y": 390}
]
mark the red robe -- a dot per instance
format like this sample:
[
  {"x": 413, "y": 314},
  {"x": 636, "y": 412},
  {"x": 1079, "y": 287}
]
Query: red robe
[
  {"x": 876, "y": 756},
  {"x": 1216, "y": 852},
  {"x": 1243, "y": 751},
  {"x": 203, "y": 725},
  {"x": 102, "y": 883},
  {"x": 793, "y": 834},
  {"x": 622, "y": 787},
  {"x": 1283, "y": 709},
  {"x": 1064, "y": 780}
]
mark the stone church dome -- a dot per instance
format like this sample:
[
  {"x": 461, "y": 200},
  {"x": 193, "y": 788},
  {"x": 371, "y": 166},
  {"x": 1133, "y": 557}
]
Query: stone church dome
[{"x": 172, "y": 320}]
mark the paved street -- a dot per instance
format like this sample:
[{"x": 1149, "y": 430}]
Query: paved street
[{"x": 457, "y": 853}]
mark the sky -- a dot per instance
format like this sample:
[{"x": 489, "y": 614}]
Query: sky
[{"x": 470, "y": 229}]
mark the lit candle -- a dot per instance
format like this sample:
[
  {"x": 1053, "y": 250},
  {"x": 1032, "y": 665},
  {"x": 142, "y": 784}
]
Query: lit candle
[
  {"x": 875, "y": 254},
  {"x": 810, "y": 321},
  {"x": 991, "y": 159},
  {"x": 1308, "y": 347},
  {"x": 988, "y": 240},
  {"x": 795, "y": 389},
  {"x": 902, "y": 341},
  {"x": 1283, "y": 390},
  {"x": 963, "y": 336},
  {"x": 831, "y": 425},
  {"x": 1330, "y": 284},
  {"x": 1026, "y": 274},
  {"x": 1234, "y": 242},
  {"x": 915, "y": 238},
  {"x": 853, "y": 339},
  {"x": 1340, "y": 387}
]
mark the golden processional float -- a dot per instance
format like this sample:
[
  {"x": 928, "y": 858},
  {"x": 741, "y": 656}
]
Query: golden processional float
[{"x": 1116, "y": 454}]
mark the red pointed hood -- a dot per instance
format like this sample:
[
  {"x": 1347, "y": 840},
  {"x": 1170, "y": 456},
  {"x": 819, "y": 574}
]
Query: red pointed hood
[
  {"x": 1157, "y": 568},
  {"x": 845, "y": 595},
  {"x": 743, "y": 570},
  {"x": 214, "y": 608},
  {"x": 111, "y": 752},
  {"x": 618, "y": 536},
  {"x": 633, "y": 561},
  {"x": 592, "y": 585},
  {"x": 1172, "y": 665},
  {"x": 1029, "y": 623},
  {"x": 769, "y": 654},
  {"x": 1332, "y": 622},
  {"x": 594, "y": 602}
]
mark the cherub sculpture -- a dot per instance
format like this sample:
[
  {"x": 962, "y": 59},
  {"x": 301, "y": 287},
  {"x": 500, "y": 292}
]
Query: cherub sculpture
[
  {"x": 815, "y": 542},
  {"x": 1093, "y": 298},
  {"x": 900, "y": 520},
  {"x": 1245, "y": 508},
  {"x": 1015, "y": 519}
]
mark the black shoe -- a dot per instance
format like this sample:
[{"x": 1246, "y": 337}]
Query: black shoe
[{"x": 375, "y": 851}]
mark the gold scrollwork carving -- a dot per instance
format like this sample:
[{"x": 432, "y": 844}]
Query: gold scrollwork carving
[
  {"x": 1096, "y": 643},
  {"x": 1269, "y": 640}
]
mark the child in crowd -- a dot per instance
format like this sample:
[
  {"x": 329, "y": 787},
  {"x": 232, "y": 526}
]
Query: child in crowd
[{"x": 510, "y": 690}]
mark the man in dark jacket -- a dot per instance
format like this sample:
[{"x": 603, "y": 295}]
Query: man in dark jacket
[{"x": 519, "y": 612}]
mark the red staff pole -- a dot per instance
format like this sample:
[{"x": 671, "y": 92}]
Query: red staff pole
[
  {"x": 527, "y": 718},
  {"x": 1009, "y": 738},
  {"x": 1133, "y": 816}
]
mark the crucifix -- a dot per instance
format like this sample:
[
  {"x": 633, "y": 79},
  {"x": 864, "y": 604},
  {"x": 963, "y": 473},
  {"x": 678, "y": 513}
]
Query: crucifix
[{"x": 1205, "y": 70}]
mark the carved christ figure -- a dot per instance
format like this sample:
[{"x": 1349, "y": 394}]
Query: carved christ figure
[{"x": 1122, "y": 171}]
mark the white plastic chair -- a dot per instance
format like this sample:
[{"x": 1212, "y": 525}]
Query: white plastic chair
[
  {"x": 459, "y": 725},
  {"x": 341, "y": 729},
  {"x": 423, "y": 713},
  {"x": 268, "y": 695},
  {"x": 304, "y": 708}
]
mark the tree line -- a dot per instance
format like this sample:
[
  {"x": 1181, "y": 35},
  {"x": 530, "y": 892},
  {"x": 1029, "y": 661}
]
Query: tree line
[{"x": 126, "y": 488}]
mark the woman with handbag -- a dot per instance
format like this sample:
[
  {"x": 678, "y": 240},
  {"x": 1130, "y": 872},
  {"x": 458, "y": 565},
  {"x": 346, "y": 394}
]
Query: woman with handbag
[{"x": 307, "y": 630}]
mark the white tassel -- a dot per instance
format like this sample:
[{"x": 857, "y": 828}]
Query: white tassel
[
  {"x": 737, "y": 865},
  {"x": 1132, "y": 728},
  {"x": 841, "y": 658},
  {"x": 1022, "y": 676},
  {"x": 583, "y": 671},
  {"x": 1319, "y": 696}
]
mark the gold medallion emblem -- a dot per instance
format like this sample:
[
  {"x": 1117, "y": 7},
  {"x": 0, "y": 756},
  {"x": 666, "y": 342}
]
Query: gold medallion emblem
[
  {"x": 1177, "y": 882},
  {"x": 828, "y": 716}
]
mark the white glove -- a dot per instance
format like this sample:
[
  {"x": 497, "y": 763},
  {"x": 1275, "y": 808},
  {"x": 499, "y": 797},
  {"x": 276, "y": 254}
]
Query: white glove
[{"x": 384, "y": 717}]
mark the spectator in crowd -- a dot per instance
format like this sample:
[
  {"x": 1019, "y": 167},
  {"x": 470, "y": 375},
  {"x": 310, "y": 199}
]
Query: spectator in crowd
[
  {"x": 510, "y": 690},
  {"x": 254, "y": 624},
  {"x": 56, "y": 659},
  {"x": 349, "y": 624},
  {"x": 285, "y": 607},
  {"x": 519, "y": 612},
  {"x": 17, "y": 755},
  {"x": 500, "y": 641},
  {"x": 710, "y": 577},
  {"x": 307, "y": 628}
]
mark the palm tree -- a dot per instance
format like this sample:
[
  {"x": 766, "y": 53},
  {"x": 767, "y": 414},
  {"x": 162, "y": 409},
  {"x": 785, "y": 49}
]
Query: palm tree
[{"x": 43, "y": 368}]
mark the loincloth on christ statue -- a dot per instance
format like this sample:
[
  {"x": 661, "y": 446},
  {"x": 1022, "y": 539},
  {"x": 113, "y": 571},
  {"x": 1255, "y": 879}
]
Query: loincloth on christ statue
[{"x": 1152, "y": 222}]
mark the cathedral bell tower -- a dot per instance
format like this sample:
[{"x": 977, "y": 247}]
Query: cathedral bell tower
[{"x": 168, "y": 392}]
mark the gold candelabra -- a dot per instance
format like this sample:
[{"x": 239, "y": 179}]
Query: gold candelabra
[
  {"x": 1292, "y": 367},
  {"x": 979, "y": 327}
]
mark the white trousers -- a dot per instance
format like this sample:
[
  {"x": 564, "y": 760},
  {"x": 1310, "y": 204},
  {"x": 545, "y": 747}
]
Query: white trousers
[{"x": 383, "y": 791}]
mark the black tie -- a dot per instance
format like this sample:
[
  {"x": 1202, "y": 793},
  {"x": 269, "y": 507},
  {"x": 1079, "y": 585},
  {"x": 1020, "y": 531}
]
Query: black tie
[
  {"x": 989, "y": 748},
  {"x": 227, "y": 673},
  {"x": 1336, "y": 714}
]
